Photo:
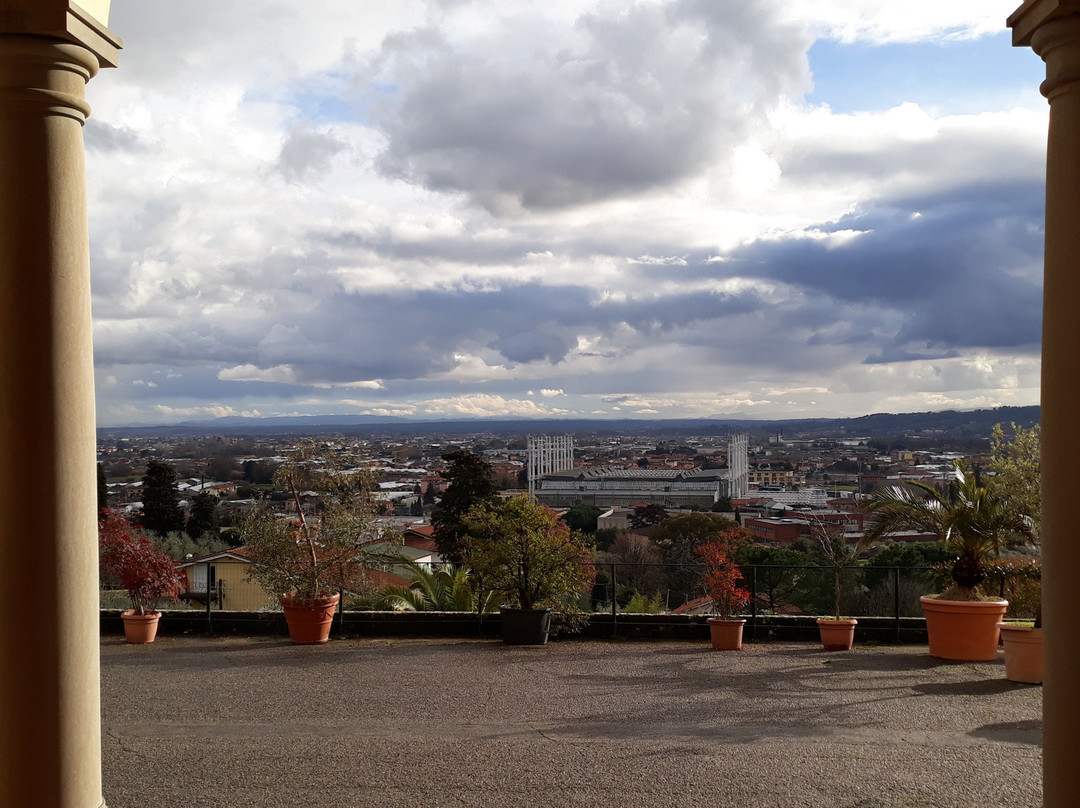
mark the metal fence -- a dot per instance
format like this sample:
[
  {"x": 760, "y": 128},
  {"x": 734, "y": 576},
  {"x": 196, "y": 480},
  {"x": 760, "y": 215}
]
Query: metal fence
[{"x": 643, "y": 588}]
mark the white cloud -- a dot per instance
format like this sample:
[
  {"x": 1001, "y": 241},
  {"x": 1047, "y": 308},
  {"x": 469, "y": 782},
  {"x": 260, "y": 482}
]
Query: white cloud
[
  {"x": 453, "y": 211},
  {"x": 481, "y": 405},
  {"x": 884, "y": 21},
  {"x": 203, "y": 411}
]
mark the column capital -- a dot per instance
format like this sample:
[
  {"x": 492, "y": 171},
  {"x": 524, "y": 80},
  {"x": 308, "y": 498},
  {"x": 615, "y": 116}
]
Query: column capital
[
  {"x": 65, "y": 20},
  {"x": 1052, "y": 29},
  {"x": 1033, "y": 14}
]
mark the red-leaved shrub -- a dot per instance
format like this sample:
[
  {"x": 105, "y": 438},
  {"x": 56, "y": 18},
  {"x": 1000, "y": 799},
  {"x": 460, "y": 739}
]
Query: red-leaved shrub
[
  {"x": 722, "y": 577},
  {"x": 148, "y": 575}
]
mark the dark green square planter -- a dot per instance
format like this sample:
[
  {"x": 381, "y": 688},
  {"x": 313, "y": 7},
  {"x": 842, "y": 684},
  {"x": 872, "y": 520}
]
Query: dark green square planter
[{"x": 525, "y": 626}]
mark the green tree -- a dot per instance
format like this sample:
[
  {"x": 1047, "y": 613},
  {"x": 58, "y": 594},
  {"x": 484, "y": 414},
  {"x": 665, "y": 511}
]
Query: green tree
[
  {"x": 582, "y": 517},
  {"x": 160, "y": 500},
  {"x": 776, "y": 576},
  {"x": 722, "y": 505},
  {"x": 202, "y": 516},
  {"x": 1015, "y": 463},
  {"x": 259, "y": 472},
  {"x": 647, "y": 515},
  {"x": 179, "y": 546},
  {"x": 908, "y": 554},
  {"x": 471, "y": 483}
]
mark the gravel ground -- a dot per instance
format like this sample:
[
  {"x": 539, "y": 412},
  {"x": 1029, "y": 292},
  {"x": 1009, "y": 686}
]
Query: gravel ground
[{"x": 261, "y": 723}]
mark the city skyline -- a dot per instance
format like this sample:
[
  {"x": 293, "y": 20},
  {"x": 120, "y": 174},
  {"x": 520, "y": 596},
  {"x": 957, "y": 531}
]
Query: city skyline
[{"x": 663, "y": 209}]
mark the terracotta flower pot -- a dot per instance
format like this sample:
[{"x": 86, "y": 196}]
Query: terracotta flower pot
[
  {"x": 140, "y": 628},
  {"x": 309, "y": 619},
  {"x": 726, "y": 633},
  {"x": 1023, "y": 653},
  {"x": 837, "y": 635},
  {"x": 963, "y": 630}
]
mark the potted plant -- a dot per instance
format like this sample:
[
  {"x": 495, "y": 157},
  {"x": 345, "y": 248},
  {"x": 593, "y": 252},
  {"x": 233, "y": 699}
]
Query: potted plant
[
  {"x": 530, "y": 561},
  {"x": 721, "y": 581},
  {"x": 148, "y": 575},
  {"x": 306, "y": 558},
  {"x": 976, "y": 522},
  {"x": 838, "y": 632},
  {"x": 1018, "y": 477},
  {"x": 1022, "y": 639}
]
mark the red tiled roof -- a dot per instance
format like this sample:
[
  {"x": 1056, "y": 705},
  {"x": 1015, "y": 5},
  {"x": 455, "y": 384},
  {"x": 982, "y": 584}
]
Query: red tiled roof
[
  {"x": 382, "y": 579},
  {"x": 690, "y": 605},
  {"x": 421, "y": 543},
  {"x": 420, "y": 537}
]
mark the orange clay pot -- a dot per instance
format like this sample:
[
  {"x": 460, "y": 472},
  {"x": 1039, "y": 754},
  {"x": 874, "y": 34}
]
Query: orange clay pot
[
  {"x": 726, "y": 633},
  {"x": 963, "y": 630},
  {"x": 1023, "y": 653},
  {"x": 309, "y": 619},
  {"x": 140, "y": 628},
  {"x": 837, "y": 635}
]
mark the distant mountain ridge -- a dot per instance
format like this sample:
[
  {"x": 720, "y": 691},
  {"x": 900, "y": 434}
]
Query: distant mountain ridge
[{"x": 952, "y": 423}]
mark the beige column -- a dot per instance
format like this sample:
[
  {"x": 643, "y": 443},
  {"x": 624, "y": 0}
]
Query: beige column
[
  {"x": 50, "y": 729},
  {"x": 1052, "y": 29}
]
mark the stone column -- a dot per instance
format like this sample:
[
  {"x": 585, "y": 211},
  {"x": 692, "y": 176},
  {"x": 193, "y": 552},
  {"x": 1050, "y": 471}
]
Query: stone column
[
  {"x": 50, "y": 728},
  {"x": 1052, "y": 29}
]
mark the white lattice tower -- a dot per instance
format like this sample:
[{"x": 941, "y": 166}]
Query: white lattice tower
[
  {"x": 548, "y": 454},
  {"x": 738, "y": 464}
]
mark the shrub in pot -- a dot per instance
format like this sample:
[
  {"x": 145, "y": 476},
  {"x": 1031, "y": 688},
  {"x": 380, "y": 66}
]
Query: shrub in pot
[
  {"x": 306, "y": 557},
  {"x": 1018, "y": 476},
  {"x": 976, "y": 522},
  {"x": 838, "y": 632},
  {"x": 1022, "y": 638},
  {"x": 531, "y": 562},
  {"x": 147, "y": 574},
  {"x": 721, "y": 581}
]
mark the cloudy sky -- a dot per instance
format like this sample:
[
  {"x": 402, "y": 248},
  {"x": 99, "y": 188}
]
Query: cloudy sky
[{"x": 586, "y": 208}]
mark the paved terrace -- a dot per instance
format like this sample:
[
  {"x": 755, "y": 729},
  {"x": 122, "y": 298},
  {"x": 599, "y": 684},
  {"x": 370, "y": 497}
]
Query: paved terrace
[{"x": 259, "y": 723}]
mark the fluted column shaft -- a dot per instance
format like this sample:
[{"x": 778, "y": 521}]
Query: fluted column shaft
[
  {"x": 50, "y": 747},
  {"x": 1052, "y": 29}
]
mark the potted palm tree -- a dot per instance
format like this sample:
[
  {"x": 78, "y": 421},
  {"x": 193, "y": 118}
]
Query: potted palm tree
[
  {"x": 140, "y": 566},
  {"x": 976, "y": 522},
  {"x": 306, "y": 558},
  {"x": 721, "y": 581},
  {"x": 530, "y": 561}
]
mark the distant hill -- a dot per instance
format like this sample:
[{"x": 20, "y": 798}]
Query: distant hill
[{"x": 947, "y": 424}]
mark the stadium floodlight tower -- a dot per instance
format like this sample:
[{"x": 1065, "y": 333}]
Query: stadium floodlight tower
[
  {"x": 548, "y": 455},
  {"x": 738, "y": 465}
]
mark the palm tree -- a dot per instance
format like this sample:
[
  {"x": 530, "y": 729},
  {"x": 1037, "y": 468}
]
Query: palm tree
[
  {"x": 439, "y": 590},
  {"x": 972, "y": 519}
]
